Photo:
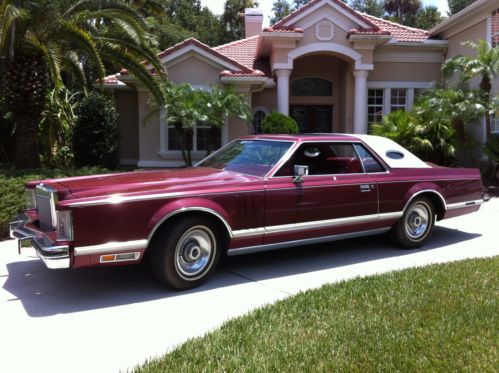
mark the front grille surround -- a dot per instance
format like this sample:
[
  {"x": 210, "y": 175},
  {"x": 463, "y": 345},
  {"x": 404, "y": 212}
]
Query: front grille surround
[{"x": 46, "y": 198}]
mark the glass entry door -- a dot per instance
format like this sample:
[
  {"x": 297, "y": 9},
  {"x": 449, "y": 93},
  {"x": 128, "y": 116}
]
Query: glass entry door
[{"x": 313, "y": 118}]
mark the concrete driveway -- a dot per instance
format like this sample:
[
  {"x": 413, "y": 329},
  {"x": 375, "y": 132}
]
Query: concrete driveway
[{"x": 111, "y": 319}]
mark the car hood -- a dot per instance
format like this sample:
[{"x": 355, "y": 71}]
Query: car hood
[{"x": 178, "y": 180}]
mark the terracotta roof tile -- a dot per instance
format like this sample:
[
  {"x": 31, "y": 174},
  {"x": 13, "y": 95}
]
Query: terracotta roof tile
[
  {"x": 399, "y": 32},
  {"x": 283, "y": 29},
  {"x": 243, "y": 51}
]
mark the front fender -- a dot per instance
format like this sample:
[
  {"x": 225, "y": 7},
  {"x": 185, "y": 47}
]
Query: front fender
[{"x": 186, "y": 205}]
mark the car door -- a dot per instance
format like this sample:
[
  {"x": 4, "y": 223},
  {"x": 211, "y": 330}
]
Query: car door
[{"x": 336, "y": 197}]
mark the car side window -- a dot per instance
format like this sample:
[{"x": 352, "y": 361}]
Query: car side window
[
  {"x": 323, "y": 159},
  {"x": 370, "y": 163}
]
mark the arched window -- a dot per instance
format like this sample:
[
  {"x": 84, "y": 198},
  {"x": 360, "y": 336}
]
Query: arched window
[
  {"x": 258, "y": 118},
  {"x": 311, "y": 87},
  {"x": 494, "y": 31}
]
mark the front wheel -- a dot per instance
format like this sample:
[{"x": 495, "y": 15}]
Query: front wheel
[
  {"x": 416, "y": 225},
  {"x": 185, "y": 255}
]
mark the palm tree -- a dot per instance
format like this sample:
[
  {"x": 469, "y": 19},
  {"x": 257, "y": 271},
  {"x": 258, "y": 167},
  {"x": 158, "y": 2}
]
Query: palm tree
[
  {"x": 44, "y": 42},
  {"x": 453, "y": 107},
  {"x": 184, "y": 107},
  {"x": 219, "y": 103},
  {"x": 485, "y": 65}
]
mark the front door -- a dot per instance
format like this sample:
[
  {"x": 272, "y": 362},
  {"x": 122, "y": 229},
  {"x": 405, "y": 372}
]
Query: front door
[{"x": 313, "y": 118}]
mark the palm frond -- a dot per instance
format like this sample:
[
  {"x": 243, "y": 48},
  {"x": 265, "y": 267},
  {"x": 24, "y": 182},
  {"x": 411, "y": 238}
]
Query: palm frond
[
  {"x": 128, "y": 23},
  {"x": 11, "y": 13},
  {"x": 71, "y": 62},
  {"x": 128, "y": 61},
  {"x": 52, "y": 54},
  {"x": 86, "y": 42},
  {"x": 142, "y": 52}
]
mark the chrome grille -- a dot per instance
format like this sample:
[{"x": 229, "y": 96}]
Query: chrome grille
[{"x": 46, "y": 198}]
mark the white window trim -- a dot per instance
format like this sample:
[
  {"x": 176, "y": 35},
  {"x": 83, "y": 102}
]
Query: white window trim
[{"x": 489, "y": 28}]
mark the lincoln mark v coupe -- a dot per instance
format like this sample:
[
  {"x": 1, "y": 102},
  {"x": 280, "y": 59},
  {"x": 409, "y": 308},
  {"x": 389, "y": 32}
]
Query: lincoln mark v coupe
[{"x": 257, "y": 193}]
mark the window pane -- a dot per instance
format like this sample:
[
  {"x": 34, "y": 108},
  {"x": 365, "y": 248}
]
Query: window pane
[
  {"x": 370, "y": 163},
  {"x": 398, "y": 99},
  {"x": 205, "y": 135},
  {"x": 494, "y": 32},
  {"x": 257, "y": 121},
  {"x": 374, "y": 106},
  {"x": 173, "y": 143},
  {"x": 311, "y": 87}
]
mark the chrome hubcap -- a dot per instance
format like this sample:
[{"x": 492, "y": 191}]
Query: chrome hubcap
[
  {"x": 194, "y": 251},
  {"x": 418, "y": 221}
]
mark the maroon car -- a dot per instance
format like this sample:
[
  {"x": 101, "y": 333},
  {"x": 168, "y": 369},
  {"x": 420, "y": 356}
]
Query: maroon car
[{"x": 257, "y": 193}]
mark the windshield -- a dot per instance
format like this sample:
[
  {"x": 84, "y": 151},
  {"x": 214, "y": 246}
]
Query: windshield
[{"x": 253, "y": 157}]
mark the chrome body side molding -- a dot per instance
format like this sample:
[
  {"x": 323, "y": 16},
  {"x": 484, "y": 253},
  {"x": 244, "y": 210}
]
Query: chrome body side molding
[
  {"x": 110, "y": 247},
  {"x": 461, "y": 205},
  {"x": 282, "y": 245},
  {"x": 329, "y": 223}
]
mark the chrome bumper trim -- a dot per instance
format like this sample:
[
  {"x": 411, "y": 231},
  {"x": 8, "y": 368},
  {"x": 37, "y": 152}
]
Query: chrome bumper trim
[{"x": 53, "y": 256}]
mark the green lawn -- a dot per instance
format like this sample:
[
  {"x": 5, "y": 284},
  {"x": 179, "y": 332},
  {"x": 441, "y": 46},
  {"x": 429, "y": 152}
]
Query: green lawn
[{"x": 437, "y": 318}]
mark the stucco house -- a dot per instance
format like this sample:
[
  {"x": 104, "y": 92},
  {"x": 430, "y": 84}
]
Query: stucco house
[{"x": 330, "y": 67}]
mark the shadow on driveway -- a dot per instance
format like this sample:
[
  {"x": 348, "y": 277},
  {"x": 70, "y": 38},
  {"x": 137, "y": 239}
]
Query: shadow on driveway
[{"x": 46, "y": 292}]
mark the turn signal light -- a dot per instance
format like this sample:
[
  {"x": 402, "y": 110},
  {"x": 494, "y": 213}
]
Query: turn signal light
[{"x": 113, "y": 258}]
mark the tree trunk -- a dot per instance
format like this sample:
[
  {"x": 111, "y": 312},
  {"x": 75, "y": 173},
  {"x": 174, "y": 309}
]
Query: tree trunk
[
  {"x": 486, "y": 87},
  {"x": 25, "y": 82},
  {"x": 189, "y": 133}
]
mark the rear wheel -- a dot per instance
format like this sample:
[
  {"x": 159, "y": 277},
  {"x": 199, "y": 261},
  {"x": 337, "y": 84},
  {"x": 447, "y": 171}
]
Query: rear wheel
[
  {"x": 185, "y": 255},
  {"x": 416, "y": 225}
]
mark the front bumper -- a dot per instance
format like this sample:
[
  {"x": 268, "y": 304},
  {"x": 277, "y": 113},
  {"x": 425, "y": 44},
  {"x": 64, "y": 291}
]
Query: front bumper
[{"x": 53, "y": 255}]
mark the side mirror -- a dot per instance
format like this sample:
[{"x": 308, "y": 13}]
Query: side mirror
[{"x": 299, "y": 172}]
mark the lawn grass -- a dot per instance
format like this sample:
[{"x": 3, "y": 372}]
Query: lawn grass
[{"x": 437, "y": 318}]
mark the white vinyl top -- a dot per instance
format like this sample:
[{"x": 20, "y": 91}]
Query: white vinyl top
[{"x": 383, "y": 146}]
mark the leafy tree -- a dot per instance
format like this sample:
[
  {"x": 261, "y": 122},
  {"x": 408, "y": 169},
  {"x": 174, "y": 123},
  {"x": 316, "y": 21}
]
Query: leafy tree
[
  {"x": 451, "y": 108},
  {"x": 372, "y": 7},
  {"x": 456, "y": 6},
  {"x": 403, "y": 128},
  {"x": 233, "y": 18},
  {"x": 218, "y": 104},
  {"x": 43, "y": 41},
  {"x": 96, "y": 133},
  {"x": 280, "y": 9},
  {"x": 428, "y": 17},
  {"x": 56, "y": 127},
  {"x": 184, "y": 108},
  {"x": 403, "y": 11},
  {"x": 485, "y": 64}
]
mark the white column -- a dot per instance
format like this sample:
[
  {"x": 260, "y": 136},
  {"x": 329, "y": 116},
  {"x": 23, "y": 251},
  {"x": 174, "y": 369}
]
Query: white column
[
  {"x": 283, "y": 90},
  {"x": 360, "y": 103},
  {"x": 163, "y": 130}
]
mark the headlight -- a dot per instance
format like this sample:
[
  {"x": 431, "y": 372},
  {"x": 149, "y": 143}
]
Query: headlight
[
  {"x": 30, "y": 199},
  {"x": 64, "y": 226}
]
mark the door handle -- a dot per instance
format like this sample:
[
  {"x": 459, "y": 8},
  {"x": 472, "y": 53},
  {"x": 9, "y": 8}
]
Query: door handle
[{"x": 365, "y": 188}]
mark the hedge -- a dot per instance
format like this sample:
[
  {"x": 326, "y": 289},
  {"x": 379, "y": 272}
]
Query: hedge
[{"x": 12, "y": 189}]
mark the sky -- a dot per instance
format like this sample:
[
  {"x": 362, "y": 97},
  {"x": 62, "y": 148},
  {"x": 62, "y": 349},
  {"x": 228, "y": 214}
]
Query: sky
[{"x": 217, "y": 7}]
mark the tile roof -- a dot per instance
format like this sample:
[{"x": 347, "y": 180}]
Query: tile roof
[
  {"x": 283, "y": 29},
  {"x": 399, "y": 32},
  {"x": 243, "y": 51},
  {"x": 313, "y": 2}
]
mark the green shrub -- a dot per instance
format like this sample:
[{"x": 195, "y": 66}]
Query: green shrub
[
  {"x": 95, "y": 136},
  {"x": 279, "y": 123},
  {"x": 12, "y": 189}
]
